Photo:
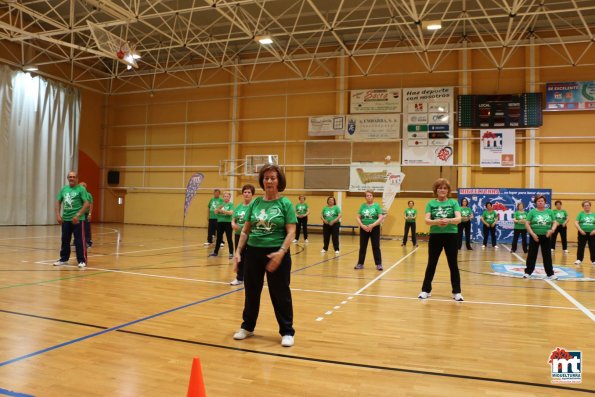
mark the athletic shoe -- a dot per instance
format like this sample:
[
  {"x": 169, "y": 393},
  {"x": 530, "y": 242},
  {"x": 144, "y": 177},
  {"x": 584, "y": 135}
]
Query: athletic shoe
[
  {"x": 222, "y": 245},
  {"x": 402, "y": 245},
  {"x": 496, "y": 247},
  {"x": 323, "y": 251},
  {"x": 416, "y": 245},
  {"x": 552, "y": 250},
  {"x": 552, "y": 277},
  {"x": 230, "y": 256},
  {"x": 207, "y": 243},
  {"x": 359, "y": 266},
  {"x": 565, "y": 251},
  {"x": 60, "y": 263},
  {"x": 379, "y": 268},
  {"x": 306, "y": 241},
  {"x": 242, "y": 334},
  {"x": 577, "y": 262},
  {"x": 212, "y": 254},
  {"x": 458, "y": 297},
  {"x": 512, "y": 251},
  {"x": 593, "y": 263},
  {"x": 337, "y": 252},
  {"x": 82, "y": 265},
  {"x": 287, "y": 341},
  {"x": 469, "y": 248},
  {"x": 294, "y": 241},
  {"x": 424, "y": 295},
  {"x": 236, "y": 282},
  {"x": 483, "y": 246},
  {"x": 526, "y": 275}
]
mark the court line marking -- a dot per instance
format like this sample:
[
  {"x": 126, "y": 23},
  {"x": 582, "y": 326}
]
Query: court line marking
[
  {"x": 5, "y": 392},
  {"x": 113, "y": 231},
  {"x": 562, "y": 292}
]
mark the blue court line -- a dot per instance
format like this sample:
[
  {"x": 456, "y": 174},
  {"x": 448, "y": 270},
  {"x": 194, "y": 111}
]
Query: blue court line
[
  {"x": 5, "y": 392},
  {"x": 38, "y": 352}
]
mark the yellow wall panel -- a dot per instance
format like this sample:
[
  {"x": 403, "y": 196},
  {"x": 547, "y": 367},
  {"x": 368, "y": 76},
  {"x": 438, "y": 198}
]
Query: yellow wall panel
[
  {"x": 207, "y": 132},
  {"x": 166, "y": 134},
  {"x": 215, "y": 109},
  {"x": 166, "y": 113}
]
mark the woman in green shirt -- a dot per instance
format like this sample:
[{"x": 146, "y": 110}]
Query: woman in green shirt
[
  {"x": 410, "y": 216},
  {"x": 301, "y": 211},
  {"x": 540, "y": 224},
  {"x": 369, "y": 218},
  {"x": 443, "y": 215},
  {"x": 489, "y": 218},
  {"x": 465, "y": 225},
  {"x": 585, "y": 224},
  {"x": 519, "y": 228},
  {"x": 561, "y": 217},
  {"x": 268, "y": 233},
  {"x": 224, "y": 213},
  {"x": 331, "y": 217},
  {"x": 237, "y": 223}
]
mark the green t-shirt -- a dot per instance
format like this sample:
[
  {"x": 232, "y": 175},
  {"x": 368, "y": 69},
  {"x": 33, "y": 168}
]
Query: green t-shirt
[
  {"x": 540, "y": 221},
  {"x": 331, "y": 213},
  {"x": 586, "y": 221},
  {"x": 267, "y": 220},
  {"x": 90, "y": 200},
  {"x": 520, "y": 216},
  {"x": 301, "y": 209},
  {"x": 214, "y": 203},
  {"x": 410, "y": 214},
  {"x": 226, "y": 207},
  {"x": 72, "y": 199},
  {"x": 466, "y": 212},
  {"x": 560, "y": 216},
  {"x": 369, "y": 213},
  {"x": 489, "y": 217},
  {"x": 443, "y": 209},
  {"x": 239, "y": 216}
]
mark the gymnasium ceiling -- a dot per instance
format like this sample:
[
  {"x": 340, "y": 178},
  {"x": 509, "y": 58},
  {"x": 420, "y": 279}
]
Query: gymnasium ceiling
[{"x": 180, "y": 41}]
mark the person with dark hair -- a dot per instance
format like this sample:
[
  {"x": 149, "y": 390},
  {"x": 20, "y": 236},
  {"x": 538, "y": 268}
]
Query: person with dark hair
[
  {"x": 302, "y": 211},
  {"x": 74, "y": 202},
  {"x": 561, "y": 217},
  {"x": 410, "y": 217},
  {"x": 489, "y": 218},
  {"x": 267, "y": 235},
  {"x": 585, "y": 224},
  {"x": 224, "y": 213},
  {"x": 369, "y": 218},
  {"x": 214, "y": 203},
  {"x": 237, "y": 223},
  {"x": 442, "y": 215},
  {"x": 520, "y": 228},
  {"x": 465, "y": 225},
  {"x": 540, "y": 224},
  {"x": 331, "y": 221}
]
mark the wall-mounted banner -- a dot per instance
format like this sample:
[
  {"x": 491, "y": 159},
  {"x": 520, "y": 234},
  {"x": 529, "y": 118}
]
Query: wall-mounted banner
[
  {"x": 504, "y": 202},
  {"x": 428, "y": 137},
  {"x": 326, "y": 125},
  {"x": 570, "y": 96},
  {"x": 382, "y": 100},
  {"x": 497, "y": 148},
  {"x": 367, "y": 127},
  {"x": 365, "y": 176}
]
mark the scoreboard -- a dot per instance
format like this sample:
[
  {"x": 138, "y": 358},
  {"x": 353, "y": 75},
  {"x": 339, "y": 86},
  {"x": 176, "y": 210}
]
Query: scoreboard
[{"x": 500, "y": 111}]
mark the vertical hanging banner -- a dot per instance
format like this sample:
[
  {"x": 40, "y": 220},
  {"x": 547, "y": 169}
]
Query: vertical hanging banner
[
  {"x": 193, "y": 185},
  {"x": 428, "y": 133},
  {"x": 392, "y": 186},
  {"x": 498, "y": 148}
]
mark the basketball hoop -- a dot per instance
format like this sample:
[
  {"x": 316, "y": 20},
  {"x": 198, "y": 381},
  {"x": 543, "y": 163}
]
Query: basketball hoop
[{"x": 114, "y": 46}]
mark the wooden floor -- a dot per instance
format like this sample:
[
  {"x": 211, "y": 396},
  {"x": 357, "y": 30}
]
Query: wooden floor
[{"x": 150, "y": 301}]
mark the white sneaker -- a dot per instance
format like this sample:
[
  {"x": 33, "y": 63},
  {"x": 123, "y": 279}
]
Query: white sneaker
[
  {"x": 525, "y": 275},
  {"x": 222, "y": 245},
  {"x": 60, "y": 263},
  {"x": 82, "y": 265},
  {"x": 287, "y": 341},
  {"x": 552, "y": 250},
  {"x": 565, "y": 251},
  {"x": 337, "y": 252},
  {"x": 424, "y": 295},
  {"x": 592, "y": 263},
  {"x": 323, "y": 251},
  {"x": 242, "y": 334},
  {"x": 207, "y": 243},
  {"x": 483, "y": 246},
  {"x": 236, "y": 282},
  {"x": 306, "y": 241},
  {"x": 458, "y": 297},
  {"x": 552, "y": 277},
  {"x": 577, "y": 262},
  {"x": 496, "y": 247},
  {"x": 294, "y": 241}
]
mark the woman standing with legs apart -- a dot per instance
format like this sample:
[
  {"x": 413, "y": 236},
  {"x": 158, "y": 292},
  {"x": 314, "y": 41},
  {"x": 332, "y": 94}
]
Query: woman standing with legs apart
[
  {"x": 489, "y": 218},
  {"x": 443, "y": 215},
  {"x": 540, "y": 226},
  {"x": 268, "y": 233},
  {"x": 585, "y": 224},
  {"x": 331, "y": 217},
  {"x": 302, "y": 211},
  {"x": 237, "y": 223},
  {"x": 520, "y": 228},
  {"x": 465, "y": 225},
  {"x": 369, "y": 218}
]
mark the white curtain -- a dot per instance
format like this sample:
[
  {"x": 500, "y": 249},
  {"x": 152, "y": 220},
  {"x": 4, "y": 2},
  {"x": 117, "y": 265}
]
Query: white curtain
[{"x": 39, "y": 130}]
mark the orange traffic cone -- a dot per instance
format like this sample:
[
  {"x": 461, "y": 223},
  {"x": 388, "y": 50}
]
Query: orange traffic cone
[{"x": 196, "y": 387}]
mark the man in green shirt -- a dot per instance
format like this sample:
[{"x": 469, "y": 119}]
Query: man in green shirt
[{"x": 73, "y": 198}]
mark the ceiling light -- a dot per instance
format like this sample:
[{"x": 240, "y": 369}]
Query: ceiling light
[
  {"x": 30, "y": 68},
  {"x": 264, "y": 39},
  {"x": 432, "y": 25}
]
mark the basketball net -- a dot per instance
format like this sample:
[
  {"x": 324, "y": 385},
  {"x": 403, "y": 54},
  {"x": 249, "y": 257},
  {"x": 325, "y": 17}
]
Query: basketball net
[{"x": 392, "y": 186}]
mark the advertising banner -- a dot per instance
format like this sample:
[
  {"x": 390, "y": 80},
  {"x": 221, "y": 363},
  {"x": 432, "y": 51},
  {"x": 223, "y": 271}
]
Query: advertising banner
[
  {"x": 570, "y": 96},
  {"x": 371, "y": 176},
  {"x": 373, "y": 127},
  {"x": 326, "y": 125},
  {"x": 382, "y": 100},
  {"x": 497, "y": 148},
  {"x": 504, "y": 202}
]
